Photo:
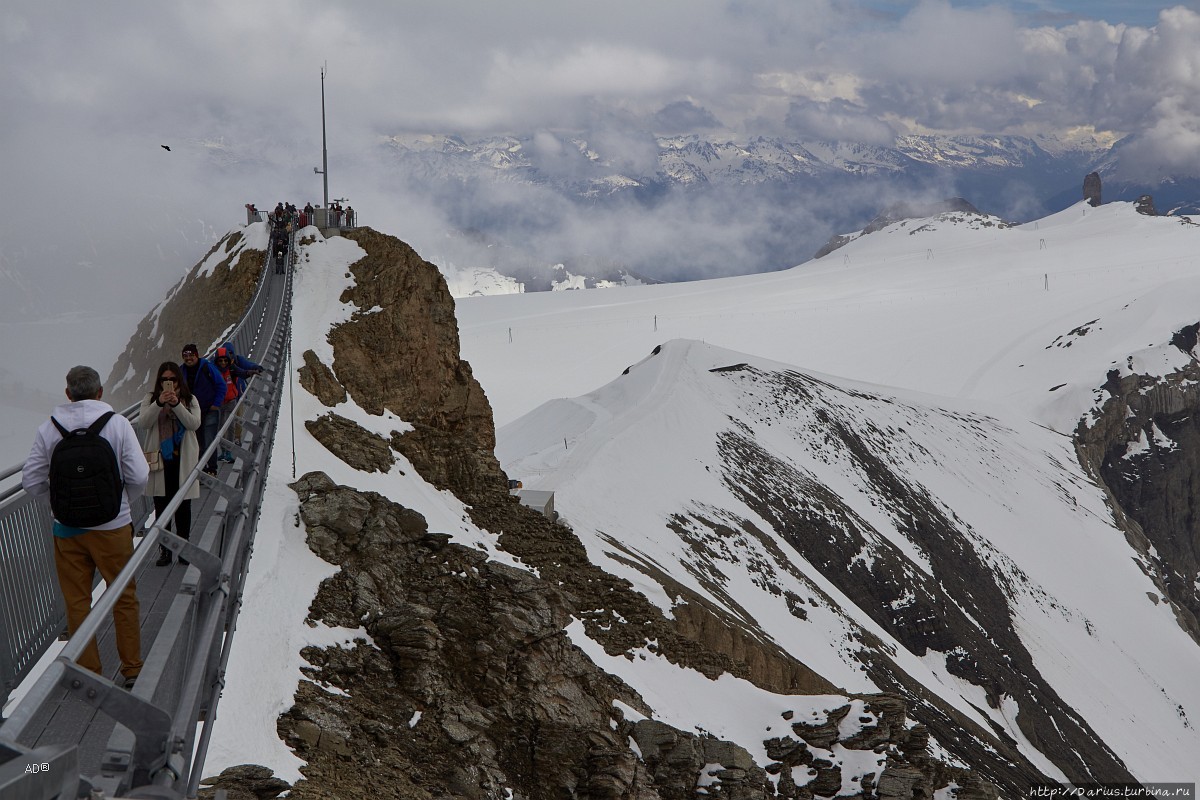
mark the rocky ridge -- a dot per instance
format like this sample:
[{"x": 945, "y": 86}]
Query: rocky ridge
[
  {"x": 470, "y": 686},
  {"x": 960, "y": 607},
  {"x": 200, "y": 308}
]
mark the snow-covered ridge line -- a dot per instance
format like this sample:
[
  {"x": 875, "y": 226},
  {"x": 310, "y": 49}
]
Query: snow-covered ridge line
[{"x": 959, "y": 359}]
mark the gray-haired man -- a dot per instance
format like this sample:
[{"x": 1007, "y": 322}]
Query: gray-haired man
[{"x": 103, "y": 545}]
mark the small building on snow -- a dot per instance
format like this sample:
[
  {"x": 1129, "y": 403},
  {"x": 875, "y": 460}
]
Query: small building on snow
[{"x": 538, "y": 500}]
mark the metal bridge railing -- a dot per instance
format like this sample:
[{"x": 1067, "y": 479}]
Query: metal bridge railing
[
  {"x": 154, "y": 744},
  {"x": 31, "y": 611}
]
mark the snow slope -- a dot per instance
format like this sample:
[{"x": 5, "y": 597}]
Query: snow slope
[
  {"x": 939, "y": 308},
  {"x": 653, "y": 438},
  {"x": 928, "y": 326},
  {"x": 971, "y": 352}
]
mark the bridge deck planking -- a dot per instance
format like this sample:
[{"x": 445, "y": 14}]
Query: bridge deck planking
[{"x": 71, "y": 721}]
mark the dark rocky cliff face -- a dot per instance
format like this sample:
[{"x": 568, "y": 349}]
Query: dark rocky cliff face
[
  {"x": 472, "y": 688},
  {"x": 1144, "y": 448},
  {"x": 960, "y": 609}
]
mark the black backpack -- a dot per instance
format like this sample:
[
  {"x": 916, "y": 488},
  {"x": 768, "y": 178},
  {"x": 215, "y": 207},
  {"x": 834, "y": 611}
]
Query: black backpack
[{"x": 85, "y": 478}]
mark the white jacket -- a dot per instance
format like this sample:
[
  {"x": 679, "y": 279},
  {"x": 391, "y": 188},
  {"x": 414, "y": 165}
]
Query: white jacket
[
  {"x": 35, "y": 477},
  {"x": 189, "y": 449}
]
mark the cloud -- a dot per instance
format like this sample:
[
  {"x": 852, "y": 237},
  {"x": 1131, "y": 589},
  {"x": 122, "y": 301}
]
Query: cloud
[
  {"x": 683, "y": 116},
  {"x": 1169, "y": 148},
  {"x": 99, "y": 214},
  {"x": 1166, "y": 62},
  {"x": 838, "y": 120}
]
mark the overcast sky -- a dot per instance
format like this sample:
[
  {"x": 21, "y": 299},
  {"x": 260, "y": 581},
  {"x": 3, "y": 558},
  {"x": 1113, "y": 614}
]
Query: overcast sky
[{"x": 95, "y": 207}]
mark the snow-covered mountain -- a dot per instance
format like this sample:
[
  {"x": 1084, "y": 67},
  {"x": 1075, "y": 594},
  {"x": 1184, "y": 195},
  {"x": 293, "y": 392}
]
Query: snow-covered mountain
[
  {"x": 894, "y": 542},
  {"x": 912, "y": 518},
  {"x": 961, "y": 526},
  {"x": 484, "y": 281},
  {"x": 682, "y": 207},
  {"x": 692, "y": 159}
]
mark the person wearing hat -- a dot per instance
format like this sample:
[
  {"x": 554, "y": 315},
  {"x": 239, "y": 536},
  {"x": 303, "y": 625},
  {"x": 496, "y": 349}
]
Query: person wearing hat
[
  {"x": 208, "y": 386},
  {"x": 235, "y": 383}
]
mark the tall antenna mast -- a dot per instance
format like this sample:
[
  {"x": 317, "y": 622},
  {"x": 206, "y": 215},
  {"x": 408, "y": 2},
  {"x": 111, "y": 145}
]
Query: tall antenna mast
[{"x": 324, "y": 146}]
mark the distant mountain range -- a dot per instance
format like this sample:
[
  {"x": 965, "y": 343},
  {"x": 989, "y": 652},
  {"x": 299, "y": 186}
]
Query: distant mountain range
[
  {"x": 691, "y": 160},
  {"x": 544, "y": 198}
]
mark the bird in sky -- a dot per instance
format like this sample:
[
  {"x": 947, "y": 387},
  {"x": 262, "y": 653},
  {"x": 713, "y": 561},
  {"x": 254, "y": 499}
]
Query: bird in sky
[{"x": 164, "y": 147}]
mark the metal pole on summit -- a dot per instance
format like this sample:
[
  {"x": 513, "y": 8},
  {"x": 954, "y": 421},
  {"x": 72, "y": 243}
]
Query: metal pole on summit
[{"x": 324, "y": 170}]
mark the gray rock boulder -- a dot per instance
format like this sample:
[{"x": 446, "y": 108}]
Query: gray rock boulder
[{"x": 1091, "y": 189}]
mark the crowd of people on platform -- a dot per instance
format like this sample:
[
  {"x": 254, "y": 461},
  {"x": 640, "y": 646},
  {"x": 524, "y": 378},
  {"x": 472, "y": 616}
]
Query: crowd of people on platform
[
  {"x": 286, "y": 219},
  {"x": 335, "y": 216}
]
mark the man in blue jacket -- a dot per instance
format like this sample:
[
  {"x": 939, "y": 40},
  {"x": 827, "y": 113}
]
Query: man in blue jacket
[{"x": 206, "y": 383}]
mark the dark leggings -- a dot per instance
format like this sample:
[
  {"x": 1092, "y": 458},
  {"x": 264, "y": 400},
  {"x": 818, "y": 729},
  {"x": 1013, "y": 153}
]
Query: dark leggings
[{"x": 183, "y": 515}]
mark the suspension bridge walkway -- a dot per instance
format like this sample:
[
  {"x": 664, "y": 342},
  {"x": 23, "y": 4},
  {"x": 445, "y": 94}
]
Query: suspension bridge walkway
[{"x": 75, "y": 734}]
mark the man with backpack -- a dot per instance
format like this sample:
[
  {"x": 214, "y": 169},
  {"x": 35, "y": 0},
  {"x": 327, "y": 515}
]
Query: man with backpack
[{"x": 88, "y": 461}]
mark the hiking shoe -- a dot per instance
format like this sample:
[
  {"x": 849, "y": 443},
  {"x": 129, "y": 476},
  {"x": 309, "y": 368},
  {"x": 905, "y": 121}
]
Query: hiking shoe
[{"x": 164, "y": 558}]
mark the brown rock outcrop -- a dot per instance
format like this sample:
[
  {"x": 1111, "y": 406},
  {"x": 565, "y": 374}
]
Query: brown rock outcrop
[
  {"x": 245, "y": 782},
  {"x": 318, "y": 379},
  {"x": 352, "y": 443},
  {"x": 472, "y": 687},
  {"x": 198, "y": 309},
  {"x": 401, "y": 351}
]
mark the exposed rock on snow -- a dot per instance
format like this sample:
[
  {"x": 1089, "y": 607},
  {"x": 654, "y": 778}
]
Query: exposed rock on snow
[
  {"x": 201, "y": 308},
  {"x": 1155, "y": 489},
  {"x": 477, "y": 651},
  {"x": 1092, "y": 189}
]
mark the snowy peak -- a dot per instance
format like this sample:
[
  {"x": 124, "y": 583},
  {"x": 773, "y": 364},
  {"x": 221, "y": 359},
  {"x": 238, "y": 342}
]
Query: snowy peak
[
  {"x": 691, "y": 159},
  {"x": 926, "y": 216},
  {"x": 486, "y": 281},
  {"x": 895, "y": 541},
  {"x": 455, "y": 620}
]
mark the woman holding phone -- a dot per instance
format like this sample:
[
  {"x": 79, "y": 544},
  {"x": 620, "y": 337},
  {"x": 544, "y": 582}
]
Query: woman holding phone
[{"x": 169, "y": 417}]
